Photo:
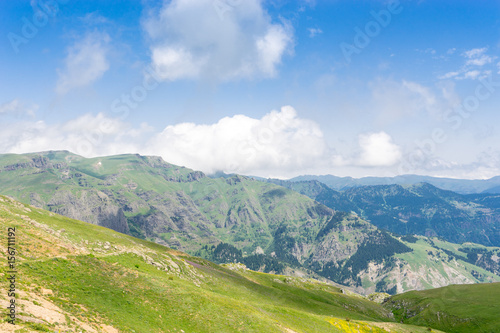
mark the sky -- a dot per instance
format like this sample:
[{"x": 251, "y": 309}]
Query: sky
[{"x": 265, "y": 88}]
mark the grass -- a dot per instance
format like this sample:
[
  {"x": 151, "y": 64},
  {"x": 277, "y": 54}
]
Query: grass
[{"x": 457, "y": 308}]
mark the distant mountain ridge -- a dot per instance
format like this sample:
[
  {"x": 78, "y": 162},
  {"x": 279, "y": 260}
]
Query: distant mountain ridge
[
  {"x": 421, "y": 209},
  {"x": 462, "y": 186}
]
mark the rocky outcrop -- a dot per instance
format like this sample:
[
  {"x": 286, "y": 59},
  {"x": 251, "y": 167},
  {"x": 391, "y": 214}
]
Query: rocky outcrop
[
  {"x": 38, "y": 162},
  {"x": 90, "y": 206}
]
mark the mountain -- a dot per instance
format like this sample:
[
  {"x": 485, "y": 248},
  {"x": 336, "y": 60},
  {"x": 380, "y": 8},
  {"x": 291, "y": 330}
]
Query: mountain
[
  {"x": 415, "y": 209},
  {"x": 73, "y": 276},
  {"x": 463, "y": 186},
  {"x": 149, "y": 198},
  {"x": 495, "y": 190},
  {"x": 454, "y": 309},
  {"x": 236, "y": 219}
]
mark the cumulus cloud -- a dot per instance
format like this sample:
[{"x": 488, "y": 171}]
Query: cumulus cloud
[
  {"x": 86, "y": 62},
  {"x": 378, "y": 149},
  {"x": 279, "y": 142},
  {"x": 215, "y": 40}
]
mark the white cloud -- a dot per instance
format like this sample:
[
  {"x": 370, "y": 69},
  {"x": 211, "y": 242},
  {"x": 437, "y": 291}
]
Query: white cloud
[
  {"x": 449, "y": 75},
  {"x": 85, "y": 62},
  {"x": 474, "y": 53},
  {"x": 472, "y": 74},
  {"x": 173, "y": 64},
  {"x": 480, "y": 61},
  {"x": 466, "y": 74},
  {"x": 219, "y": 41},
  {"x": 313, "y": 32},
  {"x": 87, "y": 135},
  {"x": 9, "y": 107},
  {"x": 279, "y": 142},
  {"x": 377, "y": 149},
  {"x": 475, "y": 58},
  {"x": 17, "y": 108}
]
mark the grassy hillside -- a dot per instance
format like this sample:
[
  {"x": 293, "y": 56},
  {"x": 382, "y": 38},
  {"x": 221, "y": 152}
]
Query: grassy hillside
[
  {"x": 458, "y": 308},
  {"x": 73, "y": 276}
]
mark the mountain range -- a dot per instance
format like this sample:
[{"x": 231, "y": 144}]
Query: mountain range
[
  {"x": 421, "y": 209},
  {"x": 462, "y": 186},
  {"x": 269, "y": 227},
  {"x": 73, "y": 276}
]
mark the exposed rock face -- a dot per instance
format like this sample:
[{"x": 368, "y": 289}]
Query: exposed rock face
[
  {"x": 90, "y": 206},
  {"x": 39, "y": 162},
  {"x": 115, "y": 220}
]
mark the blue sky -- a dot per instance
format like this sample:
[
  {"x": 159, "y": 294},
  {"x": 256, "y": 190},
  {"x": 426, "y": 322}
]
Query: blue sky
[{"x": 268, "y": 88}]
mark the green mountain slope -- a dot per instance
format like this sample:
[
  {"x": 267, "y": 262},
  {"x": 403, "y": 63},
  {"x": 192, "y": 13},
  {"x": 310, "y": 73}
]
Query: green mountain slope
[
  {"x": 463, "y": 308},
  {"x": 73, "y": 276}
]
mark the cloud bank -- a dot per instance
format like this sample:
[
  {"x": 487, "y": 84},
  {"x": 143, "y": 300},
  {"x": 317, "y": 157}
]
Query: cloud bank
[{"x": 280, "y": 144}]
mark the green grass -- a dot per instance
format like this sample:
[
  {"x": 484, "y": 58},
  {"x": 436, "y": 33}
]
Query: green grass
[
  {"x": 457, "y": 308},
  {"x": 97, "y": 276}
]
